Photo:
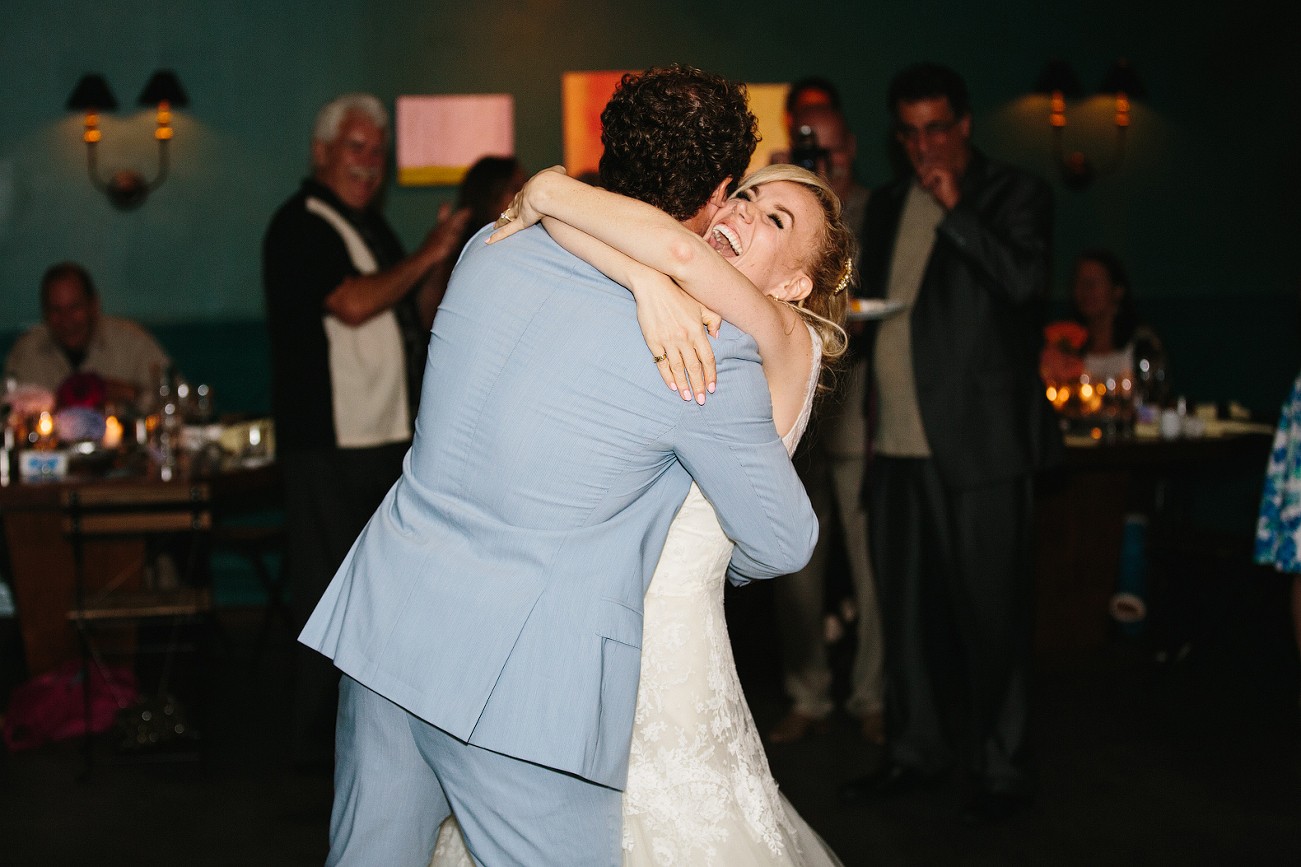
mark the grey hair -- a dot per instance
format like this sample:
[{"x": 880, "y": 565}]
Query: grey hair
[{"x": 330, "y": 118}]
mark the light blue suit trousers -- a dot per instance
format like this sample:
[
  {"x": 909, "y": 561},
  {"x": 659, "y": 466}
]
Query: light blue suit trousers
[{"x": 388, "y": 805}]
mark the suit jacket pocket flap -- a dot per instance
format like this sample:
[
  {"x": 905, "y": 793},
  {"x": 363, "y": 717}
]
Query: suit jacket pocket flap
[{"x": 618, "y": 622}]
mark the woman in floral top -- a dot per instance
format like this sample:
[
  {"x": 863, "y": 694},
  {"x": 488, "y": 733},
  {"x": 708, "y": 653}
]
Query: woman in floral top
[{"x": 1278, "y": 532}]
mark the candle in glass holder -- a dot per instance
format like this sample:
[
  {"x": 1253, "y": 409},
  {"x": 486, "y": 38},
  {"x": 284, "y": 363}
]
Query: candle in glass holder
[
  {"x": 112, "y": 433},
  {"x": 45, "y": 431}
]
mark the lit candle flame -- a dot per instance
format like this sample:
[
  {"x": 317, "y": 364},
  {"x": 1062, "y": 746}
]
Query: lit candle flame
[
  {"x": 112, "y": 432},
  {"x": 45, "y": 426}
]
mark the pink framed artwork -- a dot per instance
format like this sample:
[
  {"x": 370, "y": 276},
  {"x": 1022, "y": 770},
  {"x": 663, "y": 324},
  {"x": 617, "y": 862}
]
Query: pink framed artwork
[{"x": 440, "y": 137}]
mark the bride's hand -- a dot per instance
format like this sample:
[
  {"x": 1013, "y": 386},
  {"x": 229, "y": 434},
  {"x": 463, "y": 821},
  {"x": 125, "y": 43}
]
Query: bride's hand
[
  {"x": 523, "y": 211},
  {"x": 674, "y": 325}
]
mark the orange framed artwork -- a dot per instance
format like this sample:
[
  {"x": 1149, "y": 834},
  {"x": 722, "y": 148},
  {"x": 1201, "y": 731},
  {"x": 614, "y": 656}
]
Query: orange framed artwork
[{"x": 584, "y": 95}]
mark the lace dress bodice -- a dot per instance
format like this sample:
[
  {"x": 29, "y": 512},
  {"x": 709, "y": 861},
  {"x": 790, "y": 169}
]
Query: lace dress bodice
[
  {"x": 696, "y": 552},
  {"x": 699, "y": 788}
]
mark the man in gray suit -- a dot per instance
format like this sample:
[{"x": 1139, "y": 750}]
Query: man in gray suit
[{"x": 488, "y": 620}]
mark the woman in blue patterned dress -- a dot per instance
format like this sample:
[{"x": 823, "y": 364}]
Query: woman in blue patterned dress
[{"x": 1278, "y": 531}]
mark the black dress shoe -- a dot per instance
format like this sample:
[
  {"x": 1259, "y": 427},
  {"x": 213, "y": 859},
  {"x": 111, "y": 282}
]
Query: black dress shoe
[
  {"x": 888, "y": 781},
  {"x": 990, "y": 807}
]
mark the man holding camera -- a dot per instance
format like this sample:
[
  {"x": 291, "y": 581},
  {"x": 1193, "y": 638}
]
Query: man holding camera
[{"x": 830, "y": 464}]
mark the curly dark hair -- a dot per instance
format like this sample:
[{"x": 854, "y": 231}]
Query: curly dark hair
[{"x": 673, "y": 134}]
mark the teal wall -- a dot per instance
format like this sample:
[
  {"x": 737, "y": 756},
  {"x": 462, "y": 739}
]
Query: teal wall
[{"x": 1203, "y": 207}]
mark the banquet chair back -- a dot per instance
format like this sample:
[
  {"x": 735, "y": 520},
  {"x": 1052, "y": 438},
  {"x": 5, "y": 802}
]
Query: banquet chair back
[{"x": 179, "y": 518}]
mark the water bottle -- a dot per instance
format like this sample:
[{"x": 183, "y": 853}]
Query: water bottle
[
  {"x": 1150, "y": 371},
  {"x": 169, "y": 424}
]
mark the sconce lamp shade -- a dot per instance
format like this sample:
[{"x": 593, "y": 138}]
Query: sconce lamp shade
[
  {"x": 92, "y": 94},
  {"x": 1121, "y": 78},
  {"x": 1057, "y": 75},
  {"x": 164, "y": 86},
  {"x": 127, "y": 189}
]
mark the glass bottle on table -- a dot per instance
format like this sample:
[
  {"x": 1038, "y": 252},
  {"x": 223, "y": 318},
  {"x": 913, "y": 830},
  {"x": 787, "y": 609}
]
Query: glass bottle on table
[
  {"x": 166, "y": 431},
  {"x": 1152, "y": 386},
  {"x": 201, "y": 404}
]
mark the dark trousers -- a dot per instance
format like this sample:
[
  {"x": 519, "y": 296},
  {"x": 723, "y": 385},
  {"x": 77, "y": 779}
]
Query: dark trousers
[
  {"x": 330, "y": 494},
  {"x": 953, "y": 569}
]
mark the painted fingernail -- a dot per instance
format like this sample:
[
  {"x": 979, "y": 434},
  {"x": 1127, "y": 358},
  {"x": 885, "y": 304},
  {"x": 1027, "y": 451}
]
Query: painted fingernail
[
  {"x": 700, "y": 398},
  {"x": 686, "y": 394},
  {"x": 711, "y": 388}
]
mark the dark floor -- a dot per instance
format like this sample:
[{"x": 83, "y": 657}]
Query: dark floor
[{"x": 1194, "y": 761}]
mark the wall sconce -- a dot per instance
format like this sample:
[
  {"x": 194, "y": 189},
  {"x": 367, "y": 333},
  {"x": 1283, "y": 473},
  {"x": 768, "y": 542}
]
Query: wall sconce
[
  {"x": 127, "y": 189},
  {"x": 1058, "y": 82}
]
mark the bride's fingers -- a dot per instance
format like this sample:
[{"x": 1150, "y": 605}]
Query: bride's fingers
[
  {"x": 711, "y": 321},
  {"x": 707, "y": 367},
  {"x": 517, "y": 216},
  {"x": 505, "y": 230},
  {"x": 678, "y": 364},
  {"x": 696, "y": 370},
  {"x": 662, "y": 363}
]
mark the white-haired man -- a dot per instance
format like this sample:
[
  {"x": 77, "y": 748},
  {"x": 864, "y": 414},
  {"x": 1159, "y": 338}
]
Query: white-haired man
[{"x": 349, "y": 316}]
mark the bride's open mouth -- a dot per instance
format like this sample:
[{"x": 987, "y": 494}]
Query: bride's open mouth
[{"x": 725, "y": 241}]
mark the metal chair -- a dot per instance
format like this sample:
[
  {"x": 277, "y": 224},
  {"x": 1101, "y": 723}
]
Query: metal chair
[{"x": 144, "y": 513}]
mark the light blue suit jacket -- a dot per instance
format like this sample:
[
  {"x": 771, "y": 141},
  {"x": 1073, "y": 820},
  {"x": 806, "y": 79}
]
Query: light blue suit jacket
[{"x": 497, "y": 592}]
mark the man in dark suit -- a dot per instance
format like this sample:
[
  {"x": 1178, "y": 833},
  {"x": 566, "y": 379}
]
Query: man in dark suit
[{"x": 961, "y": 426}]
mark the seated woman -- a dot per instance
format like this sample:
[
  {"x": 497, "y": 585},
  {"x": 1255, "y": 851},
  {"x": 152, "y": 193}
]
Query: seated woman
[
  {"x": 1101, "y": 300},
  {"x": 775, "y": 262}
]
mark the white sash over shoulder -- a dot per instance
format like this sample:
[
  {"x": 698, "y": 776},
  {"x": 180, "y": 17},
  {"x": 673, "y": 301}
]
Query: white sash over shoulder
[{"x": 367, "y": 365}]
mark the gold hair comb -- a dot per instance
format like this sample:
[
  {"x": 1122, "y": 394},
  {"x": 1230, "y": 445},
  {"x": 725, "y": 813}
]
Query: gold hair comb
[{"x": 844, "y": 280}]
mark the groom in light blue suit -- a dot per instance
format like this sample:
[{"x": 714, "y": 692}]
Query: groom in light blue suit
[{"x": 488, "y": 619}]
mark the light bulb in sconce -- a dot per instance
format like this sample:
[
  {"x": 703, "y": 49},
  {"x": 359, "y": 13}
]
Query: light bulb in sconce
[
  {"x": 1057, "y": 81},
  {"x": 127, "y": 189}
]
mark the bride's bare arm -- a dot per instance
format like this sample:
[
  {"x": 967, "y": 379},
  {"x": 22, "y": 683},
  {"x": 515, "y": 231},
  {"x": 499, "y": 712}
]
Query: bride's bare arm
[
  {"x": 670, "y": 319},
  {"x": 649, "y": 236}
]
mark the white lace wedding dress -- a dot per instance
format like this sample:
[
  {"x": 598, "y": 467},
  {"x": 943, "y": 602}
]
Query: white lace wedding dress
[{"x": 699, "y": 790}]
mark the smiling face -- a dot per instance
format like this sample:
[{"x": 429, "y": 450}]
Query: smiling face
[
  {"x": 353, "y": 164},
  {"x": 768, "y": 233}
]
